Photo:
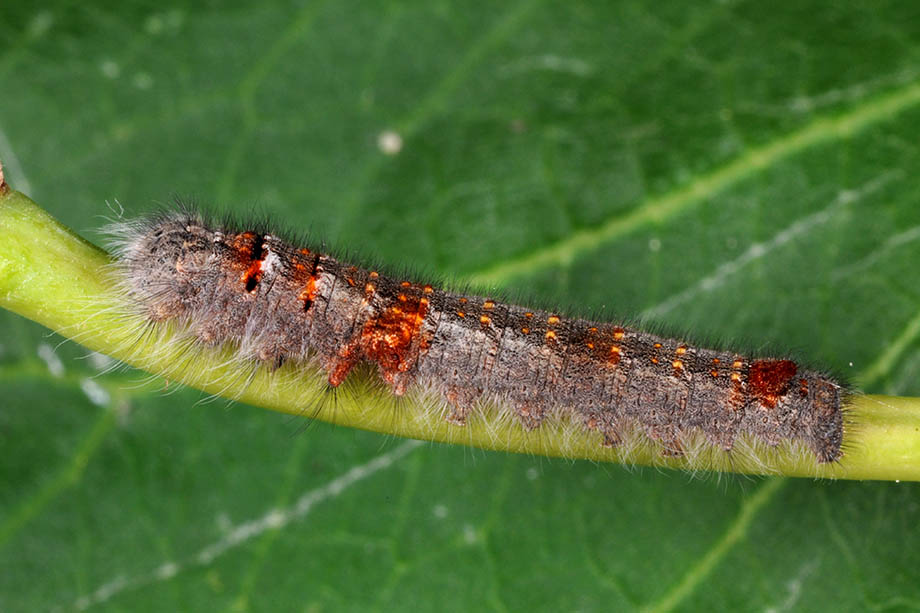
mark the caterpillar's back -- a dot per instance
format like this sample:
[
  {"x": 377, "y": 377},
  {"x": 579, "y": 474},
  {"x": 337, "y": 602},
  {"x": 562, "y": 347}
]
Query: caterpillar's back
[{"x": 279, "y": 302}]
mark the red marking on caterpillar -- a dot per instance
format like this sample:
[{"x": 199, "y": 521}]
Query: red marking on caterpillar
[
  {"x": 769, "y": 380},
  {"x": 277, "y": 302}
]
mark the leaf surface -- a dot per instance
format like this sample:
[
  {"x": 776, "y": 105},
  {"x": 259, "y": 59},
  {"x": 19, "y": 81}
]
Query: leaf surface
[{"x": 739, "y": 172}]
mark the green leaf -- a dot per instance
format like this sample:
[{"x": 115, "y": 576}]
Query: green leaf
[{"x": 740, "y": 171}]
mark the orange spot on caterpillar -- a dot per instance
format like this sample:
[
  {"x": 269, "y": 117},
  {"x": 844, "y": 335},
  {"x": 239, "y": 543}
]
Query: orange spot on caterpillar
[
  {"x": 590, "y": 345},
  {"x": 387, "y": 339},
  {"x": 657, "y": 345},
  {"x": 374, "y": 274},
  {"x": 681, "y": 350},
  {"x": 308, "y": 294},
  {"x": 715, "y": 361},
  {"x": 305, "y": 251},
  {"x": 654, "y": 360},
  {"x": 251, "y": 251},
  {"x": 737, "y": 364},
  {"x": 528, "y": 315},
  {"x": 402, "y": 298},
  {"x": 405, "y": 284},
  {"x": 737, "y": 400},
  {"x": 351, "y": 281},
  {"x": 619, "y": 333},
  {"x": 369, "y": 288},
  {"x": 677, "y": 364},
  {"x": 461, "y": 314},
  {"x": 614, "y": 358},
  {"x": 550, "y": 335},
  {"x": 340, "y": 372},
  {"x": 427, "y": 289},
  {"x": 485, "y": 319},
  {"x": 252, "y": 276},
  {"x": 307, "y": 278},
  {"x": 525, "y": 330},
  {"x": 463, "y": 301},
  {"x": 552, "y": 319},
  {"x": 592, "y": 330},
  {"x": 768, "y": 380},
  {"x": 488, "y": 304},
  {"x": 714, "y": 373}
]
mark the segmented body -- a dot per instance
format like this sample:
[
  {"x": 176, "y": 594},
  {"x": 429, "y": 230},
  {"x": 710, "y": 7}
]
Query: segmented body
[{"x": 281, "y": 302}]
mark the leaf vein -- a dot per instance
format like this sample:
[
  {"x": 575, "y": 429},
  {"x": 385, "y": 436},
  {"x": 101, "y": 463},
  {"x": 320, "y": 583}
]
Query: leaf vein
[{"x": 669, "y": 204}]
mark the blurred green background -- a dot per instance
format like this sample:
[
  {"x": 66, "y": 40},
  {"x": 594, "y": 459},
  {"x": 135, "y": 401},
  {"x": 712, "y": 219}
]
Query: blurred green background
[{"x": 743, "y": 171}]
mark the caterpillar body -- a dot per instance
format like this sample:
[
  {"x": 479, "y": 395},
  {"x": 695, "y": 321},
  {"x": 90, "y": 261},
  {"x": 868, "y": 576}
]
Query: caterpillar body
[{"x": 276, "y": 301}]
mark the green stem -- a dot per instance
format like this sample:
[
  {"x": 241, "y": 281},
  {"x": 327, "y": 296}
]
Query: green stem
[{"x": 52, "y": 276}]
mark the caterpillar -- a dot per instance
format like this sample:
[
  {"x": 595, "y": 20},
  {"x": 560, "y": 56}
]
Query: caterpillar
[{"x": 278, "y": 301}]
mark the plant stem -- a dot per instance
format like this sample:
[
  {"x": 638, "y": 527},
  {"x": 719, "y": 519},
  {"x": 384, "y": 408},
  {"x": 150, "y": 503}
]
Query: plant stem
[{"x": 52, "y": 276}]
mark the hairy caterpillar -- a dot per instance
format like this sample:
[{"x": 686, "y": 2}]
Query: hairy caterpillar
[{"x": 276, "y": 302}]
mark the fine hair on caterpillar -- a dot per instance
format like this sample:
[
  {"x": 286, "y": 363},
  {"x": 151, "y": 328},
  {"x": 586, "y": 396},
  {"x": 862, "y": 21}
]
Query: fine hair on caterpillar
[{"x": 272, "y": 304}]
